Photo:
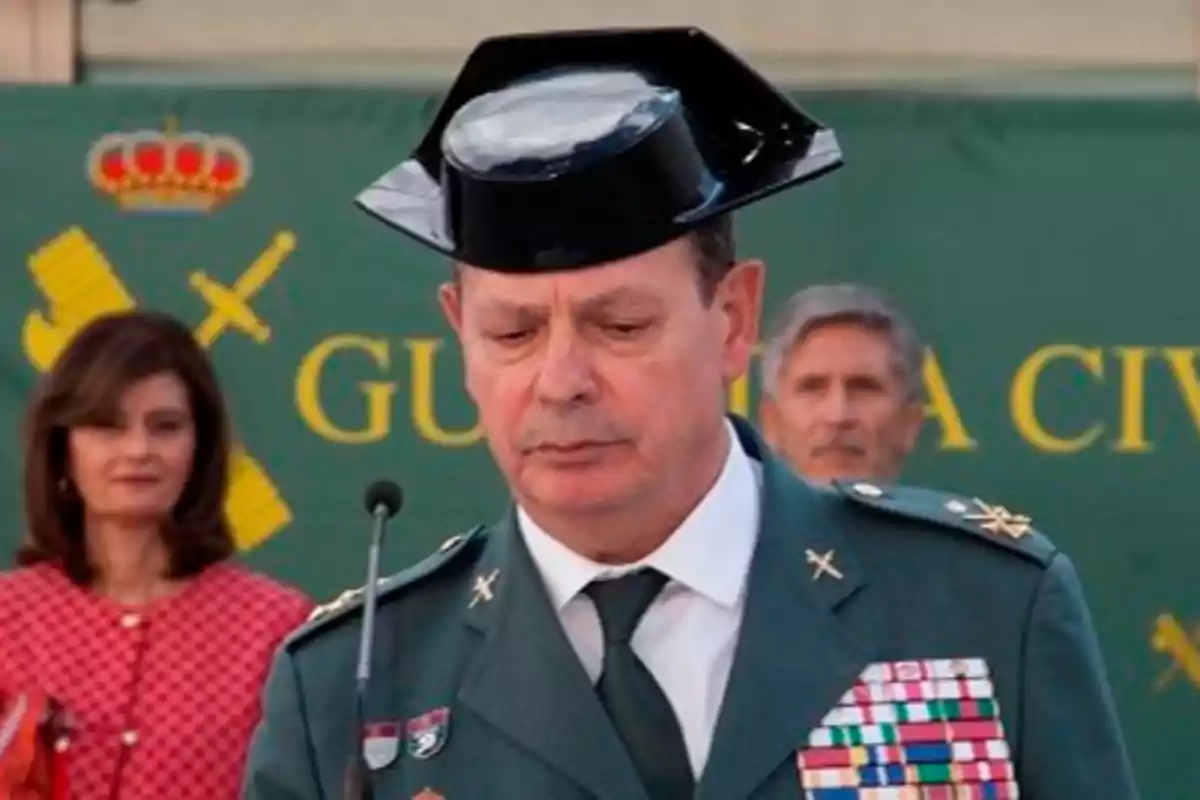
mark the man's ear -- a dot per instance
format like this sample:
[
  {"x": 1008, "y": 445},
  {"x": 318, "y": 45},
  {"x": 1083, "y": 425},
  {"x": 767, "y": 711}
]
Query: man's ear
[
  {"x": 768, "y": 418},
  {"x": 450, "y": 299},
  {"x": 739, "y": 297},
  {"x": 913, "y": 419}
]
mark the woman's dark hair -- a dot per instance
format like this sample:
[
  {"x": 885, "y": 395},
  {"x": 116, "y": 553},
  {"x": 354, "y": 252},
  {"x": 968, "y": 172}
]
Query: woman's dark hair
[{"x": 85, "y": 387}]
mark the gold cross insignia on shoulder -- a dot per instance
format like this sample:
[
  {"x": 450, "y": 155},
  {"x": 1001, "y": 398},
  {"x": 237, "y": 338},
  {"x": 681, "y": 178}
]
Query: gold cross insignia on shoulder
[
  {"x": 481, "y": 590},
  {"x": 822, "y": 564},
  {"x": 449, "y": 543},
  {"x": 993, "y": 518},
  {"x": 345, "y": 598}
]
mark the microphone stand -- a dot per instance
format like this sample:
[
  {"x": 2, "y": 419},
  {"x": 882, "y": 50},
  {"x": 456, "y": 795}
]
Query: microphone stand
[{"x": 358, "y": 783}]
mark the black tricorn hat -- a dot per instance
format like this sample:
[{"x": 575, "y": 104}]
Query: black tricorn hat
[{"x": 567, "y": 149}]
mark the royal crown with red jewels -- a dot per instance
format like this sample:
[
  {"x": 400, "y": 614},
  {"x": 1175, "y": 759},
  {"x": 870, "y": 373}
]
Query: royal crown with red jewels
[{"x": 169, "y": 171}]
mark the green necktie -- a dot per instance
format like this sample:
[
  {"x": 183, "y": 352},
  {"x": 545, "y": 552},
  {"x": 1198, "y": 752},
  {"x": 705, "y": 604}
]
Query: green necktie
[{"x": 639, "y": 710}]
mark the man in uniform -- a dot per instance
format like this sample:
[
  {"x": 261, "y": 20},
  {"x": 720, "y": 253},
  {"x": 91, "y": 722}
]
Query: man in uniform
[{"x": 668, "y": 612}]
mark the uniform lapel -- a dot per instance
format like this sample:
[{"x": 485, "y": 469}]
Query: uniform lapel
[
  {"x": 795, "y": 657},
  {"x": 526, "y": 679}
]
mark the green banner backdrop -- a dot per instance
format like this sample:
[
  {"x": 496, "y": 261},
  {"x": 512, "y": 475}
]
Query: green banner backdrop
[{"x": 1046, "y": 250}]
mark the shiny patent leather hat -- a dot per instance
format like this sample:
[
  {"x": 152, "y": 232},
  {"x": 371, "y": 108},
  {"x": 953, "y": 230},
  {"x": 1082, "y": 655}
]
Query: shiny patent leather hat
[{"x": 567, "y": 149}]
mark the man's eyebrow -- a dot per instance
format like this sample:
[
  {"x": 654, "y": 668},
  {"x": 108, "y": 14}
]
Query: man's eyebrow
[
  {"x": 498, "y": 306},
  {"x": 589, "y": 306},
  {"x": 622, "y": 294}
]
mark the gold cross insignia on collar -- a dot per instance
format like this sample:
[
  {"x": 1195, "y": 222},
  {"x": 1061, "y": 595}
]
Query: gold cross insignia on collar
[
  {"x": 482, "y": 590},
  {"x": 823, "y": 564},
  {"x": 994, "y": 518}
]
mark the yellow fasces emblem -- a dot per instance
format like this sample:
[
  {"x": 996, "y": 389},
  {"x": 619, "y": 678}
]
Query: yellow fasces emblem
[{"x": 80, "y": 285}]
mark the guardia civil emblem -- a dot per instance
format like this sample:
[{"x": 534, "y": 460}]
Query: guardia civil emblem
[
  {"x": 380, "y": 743},
  {"x": 427, "y": 733}
]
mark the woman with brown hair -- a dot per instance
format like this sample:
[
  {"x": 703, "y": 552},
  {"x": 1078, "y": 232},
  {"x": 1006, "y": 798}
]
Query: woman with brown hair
[{"x": 126, "y": 608}]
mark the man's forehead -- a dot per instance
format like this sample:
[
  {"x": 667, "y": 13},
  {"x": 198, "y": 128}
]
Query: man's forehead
[
  {"x": 656, "y": 273},
  {"x": 844, "y": 342}
]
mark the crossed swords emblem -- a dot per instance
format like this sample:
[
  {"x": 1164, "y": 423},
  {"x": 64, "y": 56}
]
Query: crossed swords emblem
[{"x": 80, "y": 284}]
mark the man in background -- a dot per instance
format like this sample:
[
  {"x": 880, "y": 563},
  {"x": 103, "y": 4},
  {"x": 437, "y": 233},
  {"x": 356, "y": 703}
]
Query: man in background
[{"x": 842, "y": 385}]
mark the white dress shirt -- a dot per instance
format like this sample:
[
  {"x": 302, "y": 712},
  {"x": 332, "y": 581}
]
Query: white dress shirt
[{"x": 688, "y": 635}]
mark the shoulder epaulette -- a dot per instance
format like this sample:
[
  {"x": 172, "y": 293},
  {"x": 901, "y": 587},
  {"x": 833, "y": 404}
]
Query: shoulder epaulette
[
  {"x": 350, "y": 602},
  {"x": 991, "y": 522}
]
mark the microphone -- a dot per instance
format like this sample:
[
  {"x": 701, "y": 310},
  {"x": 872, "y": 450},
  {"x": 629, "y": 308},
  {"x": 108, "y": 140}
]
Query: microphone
[
  {"x": 382, "y": 500},
  {"x": 383, "y": 493}
]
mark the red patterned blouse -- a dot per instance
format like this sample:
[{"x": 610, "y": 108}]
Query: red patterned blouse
[{"x": 163, "y": 698}]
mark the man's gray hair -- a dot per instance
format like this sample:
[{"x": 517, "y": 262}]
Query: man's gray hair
[{"x": 845, "y": 302}]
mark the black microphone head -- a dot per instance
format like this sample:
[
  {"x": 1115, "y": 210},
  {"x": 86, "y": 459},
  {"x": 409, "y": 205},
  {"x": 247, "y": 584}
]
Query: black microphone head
[{"x": 384, "y": 493}]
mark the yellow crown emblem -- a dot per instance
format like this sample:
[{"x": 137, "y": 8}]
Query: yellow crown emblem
[{"x": 169, "y": 171}]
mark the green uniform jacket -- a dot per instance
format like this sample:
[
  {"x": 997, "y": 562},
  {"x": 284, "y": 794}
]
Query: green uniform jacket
[{"x": 477, "y": 693}]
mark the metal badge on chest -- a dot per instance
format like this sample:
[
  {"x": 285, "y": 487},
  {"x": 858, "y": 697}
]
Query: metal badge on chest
[{"x": 427, "y": 734}]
